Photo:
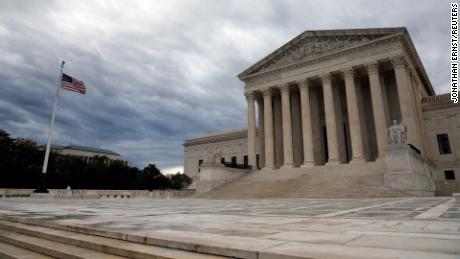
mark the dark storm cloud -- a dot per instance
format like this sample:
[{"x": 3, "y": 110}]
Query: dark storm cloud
[{"x": 161, "y": 72}]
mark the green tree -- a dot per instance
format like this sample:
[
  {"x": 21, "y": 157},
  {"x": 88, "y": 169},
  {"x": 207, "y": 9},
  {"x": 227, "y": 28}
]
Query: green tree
[
  {"x": 154, "y": 179},
  {"x": 21, "y": 163},
  {"x": 180, "y": 181}
]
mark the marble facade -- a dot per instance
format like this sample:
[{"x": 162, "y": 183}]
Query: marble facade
[{"x": 328, "y": 97}]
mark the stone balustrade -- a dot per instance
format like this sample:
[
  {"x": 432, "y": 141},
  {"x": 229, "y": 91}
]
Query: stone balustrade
[{"x": 78, "y": 193}]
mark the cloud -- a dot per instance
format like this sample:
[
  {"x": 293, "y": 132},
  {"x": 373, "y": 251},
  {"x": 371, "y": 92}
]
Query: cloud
[
  {"x": 173, "y": 170},
  {"x": 161, "y": 72}
]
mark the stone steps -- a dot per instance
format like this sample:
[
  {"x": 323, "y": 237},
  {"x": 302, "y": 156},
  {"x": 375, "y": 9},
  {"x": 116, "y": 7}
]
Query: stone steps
[
  {"x": 8, "y": 251},
  {"x": 50, "y": 248},
  {"x": 264, "y": 247},
  {"x": 339, "y": 181},
  {"x": 22, "y": 238}
]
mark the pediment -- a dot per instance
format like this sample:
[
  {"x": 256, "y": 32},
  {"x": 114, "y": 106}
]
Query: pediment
[{"x": 314, "y": 43}]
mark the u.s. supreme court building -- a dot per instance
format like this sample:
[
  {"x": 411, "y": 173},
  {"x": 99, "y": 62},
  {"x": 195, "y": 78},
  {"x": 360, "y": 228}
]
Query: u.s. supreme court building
[{"x": 334, "y": 98}]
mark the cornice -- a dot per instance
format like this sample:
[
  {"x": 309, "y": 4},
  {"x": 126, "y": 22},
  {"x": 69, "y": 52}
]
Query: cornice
[
  {"x": 275, "y": 74},
  {"x": 316, "y": 34},
  {"x": 323, "y": 56},
  {"x": 437, "y": 102},
  {"x": 217, "y": 137},
  {"x": 400, "y": 35}
]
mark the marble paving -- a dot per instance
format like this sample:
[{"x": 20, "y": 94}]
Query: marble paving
[{"x": 407, "y": 227}]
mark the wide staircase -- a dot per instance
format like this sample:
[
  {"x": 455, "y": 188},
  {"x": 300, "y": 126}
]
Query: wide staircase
[
  {"x": 358, "y": 180},
  {"x": 18, "y": 240}
]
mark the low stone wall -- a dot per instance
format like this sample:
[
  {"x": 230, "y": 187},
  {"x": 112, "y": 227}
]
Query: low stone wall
[
  {"x": 83, "y": 194},
  {"x": 409, "y": 172},
  {"x": 215, "y": 175},
  {"x": 446, "y": 187}
]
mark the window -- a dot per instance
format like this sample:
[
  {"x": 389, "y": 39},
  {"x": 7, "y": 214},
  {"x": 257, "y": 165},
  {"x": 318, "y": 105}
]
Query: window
[
  {"x": 449, "y": 174},
  {"x": 443, "y": 144},
  {"x": 233, "y": 160},
  {"x": 257, "y": 161},
  {"x": 199, "y": 164},
  {"x": 245, "y": 160},
  {"x": 222, "y": 160}
]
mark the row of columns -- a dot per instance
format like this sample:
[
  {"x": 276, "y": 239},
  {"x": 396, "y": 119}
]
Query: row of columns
[{"x": 331, "y": 117}]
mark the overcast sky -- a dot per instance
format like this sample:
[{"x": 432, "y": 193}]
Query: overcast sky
[{"x": 160, "y": 72}]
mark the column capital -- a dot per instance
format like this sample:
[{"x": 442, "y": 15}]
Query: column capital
[
  {"x": 303, "y": 84},
  {"x": 399, "y": 62},
  {"x": 348, "y": 72},
  {"x": 267, "y": 92},
  {"x": 372, "y": 68},
  {"x": 325, "y": 77},
  {"x": 284, "y": 88},
  {"x": 250, "y": 95}
]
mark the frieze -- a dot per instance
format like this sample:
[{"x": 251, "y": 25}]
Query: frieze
[
  {"x": 384, "y": 46},
  {"x": 312, "y": 46}
]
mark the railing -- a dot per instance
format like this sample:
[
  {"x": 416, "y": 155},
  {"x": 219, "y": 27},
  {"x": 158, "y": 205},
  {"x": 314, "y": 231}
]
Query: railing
[
  {"x": 236, "y": 165},
  {"x": 414, "y": 148}
]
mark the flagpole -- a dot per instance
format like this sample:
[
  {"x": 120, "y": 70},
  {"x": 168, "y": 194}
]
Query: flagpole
[{"x": 42, "y": 188}]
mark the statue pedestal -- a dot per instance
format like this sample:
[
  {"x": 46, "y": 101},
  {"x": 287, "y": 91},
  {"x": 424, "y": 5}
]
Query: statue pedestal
[
  {"x": 408, "y": 171},
  {"x": 213, "y": 175}
]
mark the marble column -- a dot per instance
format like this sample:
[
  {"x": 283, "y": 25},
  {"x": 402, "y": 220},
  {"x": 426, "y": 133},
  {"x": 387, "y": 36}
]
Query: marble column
[
  {"x": 354, "y": 119},
  {"x": 331, "y": 120},
  {"x": 307, "y": 130},
  {"x": 287, "y": 127},
  {"x": 406, "y": 100},
  {"x": 251, "y": 129},
  {"x": 378, "y": 108},
  {"x": 261, "y": 132},
  {"x": 268, "y": 123}
]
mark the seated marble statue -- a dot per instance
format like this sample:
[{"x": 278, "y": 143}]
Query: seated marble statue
[
  {"x": 397, "y": 134},
  {"x": 214, "y": 156}
]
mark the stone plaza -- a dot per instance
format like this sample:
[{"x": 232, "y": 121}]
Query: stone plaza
[{"x": 252, "y": 228}]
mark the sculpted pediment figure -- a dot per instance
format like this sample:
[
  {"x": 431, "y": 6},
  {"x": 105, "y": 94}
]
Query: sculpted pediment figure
[{"x": 314, "y": 43}]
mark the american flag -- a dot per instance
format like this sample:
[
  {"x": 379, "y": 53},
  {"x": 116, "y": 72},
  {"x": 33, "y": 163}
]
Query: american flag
[{"x": 72, "y": 84}]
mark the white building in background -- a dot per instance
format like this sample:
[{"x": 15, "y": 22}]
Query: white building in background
[{"x": 87, "y": 153}]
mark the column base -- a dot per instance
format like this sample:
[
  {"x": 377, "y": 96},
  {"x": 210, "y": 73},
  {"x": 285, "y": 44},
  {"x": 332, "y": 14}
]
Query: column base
[
  {"x": 287, "y": 166},
  {"x": 359, "y": 160},
  {"x": 271, "y": 167},
  {"x": 308, "y": 164},
  {"x": 333, "y": 162},
  {"x": 381, "y": 157}
]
